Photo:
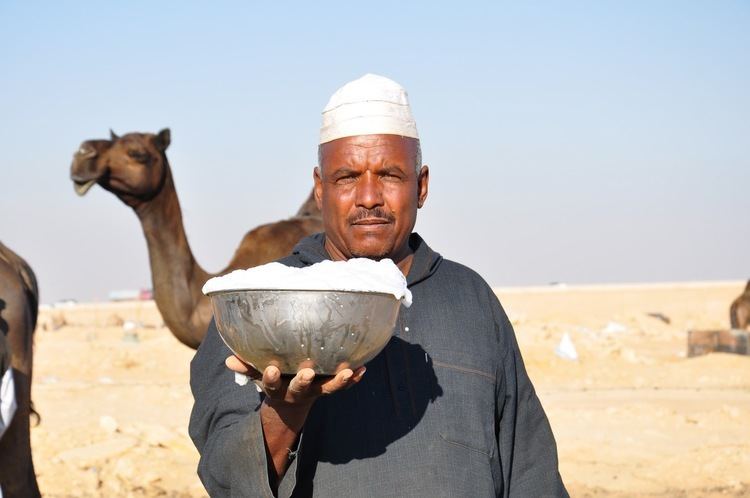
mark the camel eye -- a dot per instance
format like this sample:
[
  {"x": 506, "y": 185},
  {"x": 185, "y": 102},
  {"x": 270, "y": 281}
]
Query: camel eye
[{"x": 136, "y": 155}]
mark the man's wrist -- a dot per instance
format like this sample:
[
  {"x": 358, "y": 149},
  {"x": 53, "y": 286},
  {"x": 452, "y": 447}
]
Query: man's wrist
[{"x": 293, "y": 415}]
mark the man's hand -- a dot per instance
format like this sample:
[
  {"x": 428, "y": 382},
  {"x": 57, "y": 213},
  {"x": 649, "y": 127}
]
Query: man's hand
[
  {"x": 302, "y": 390},
  {"x": 287, "y": 403}
]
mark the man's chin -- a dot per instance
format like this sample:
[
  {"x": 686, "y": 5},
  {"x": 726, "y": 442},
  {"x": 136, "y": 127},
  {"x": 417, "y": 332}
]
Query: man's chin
[
  {"x": 364, "y": 244},
  {"x": 373, "y": 250},
  {"x": 370, "y": 254}
]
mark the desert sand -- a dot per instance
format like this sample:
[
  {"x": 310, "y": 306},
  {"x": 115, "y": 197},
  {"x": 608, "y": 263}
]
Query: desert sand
[{"x": 633, "y": 416}]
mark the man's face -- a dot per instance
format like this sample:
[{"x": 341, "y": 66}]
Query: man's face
[{"x": 368, "y": 190}]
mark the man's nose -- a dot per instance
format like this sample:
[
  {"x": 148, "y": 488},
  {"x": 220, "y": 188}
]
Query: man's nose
[{"x": 369, "y": 191}]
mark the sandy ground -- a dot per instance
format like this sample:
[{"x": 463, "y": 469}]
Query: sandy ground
[{"x": 632, "y": 416}]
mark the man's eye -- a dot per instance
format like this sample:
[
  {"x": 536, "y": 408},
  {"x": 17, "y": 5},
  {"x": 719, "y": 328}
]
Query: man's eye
[{"x": 345, "y": 179}]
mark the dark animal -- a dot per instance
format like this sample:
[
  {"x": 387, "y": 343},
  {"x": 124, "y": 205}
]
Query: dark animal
[
  {"x": 739, "y": 312},
  {"x": 19, "y": 304}
]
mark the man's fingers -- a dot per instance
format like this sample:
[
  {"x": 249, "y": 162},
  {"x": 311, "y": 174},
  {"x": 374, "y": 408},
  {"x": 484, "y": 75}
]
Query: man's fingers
[
  {"x": 358, "y": 373},
  {"x": 342, "y": 380},
  {"x": 301, "y": 382},
  {"x": 271, "y": 379},
  {"x": 236, "y": 365},
  {"x": 302, "y": 387}
]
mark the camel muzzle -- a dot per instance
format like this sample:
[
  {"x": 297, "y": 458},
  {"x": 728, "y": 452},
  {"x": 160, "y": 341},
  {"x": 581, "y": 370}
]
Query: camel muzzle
[
  {"x": 82, "y": 187},
  {"x": 82, "y": 183},
  {"x": 83, "y": 161},
  {"x": 84, "y": 153}
]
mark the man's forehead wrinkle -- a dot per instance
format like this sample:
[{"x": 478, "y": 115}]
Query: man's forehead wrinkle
[
  {"x": 373, "y": 158},
  {"x": 379, "y": 152},
  {"x": 370, "y": 145},
  {"x": 377, "y": 148},
  {"x": 369, "y": 153}
]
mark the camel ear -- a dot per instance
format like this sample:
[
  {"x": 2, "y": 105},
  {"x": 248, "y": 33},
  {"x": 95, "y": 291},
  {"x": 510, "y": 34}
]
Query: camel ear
[
  {"x": 112, "y": 135},
  {"x": 163, "y": 139}
]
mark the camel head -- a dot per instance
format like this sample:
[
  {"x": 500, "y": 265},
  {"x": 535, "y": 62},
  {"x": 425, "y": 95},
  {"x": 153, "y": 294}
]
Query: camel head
[{"x": 133, "y": 167}]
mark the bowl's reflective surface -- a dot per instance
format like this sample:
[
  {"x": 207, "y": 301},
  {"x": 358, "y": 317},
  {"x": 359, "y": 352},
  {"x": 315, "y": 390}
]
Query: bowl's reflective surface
[{"x": 295, "y": 328}]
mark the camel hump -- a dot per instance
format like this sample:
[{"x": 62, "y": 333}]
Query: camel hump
[
  {"x": 22, "y": 268},
  {"x": 747, "y": 287},
  {"x": 272, "y": 241},
  {"x": 309, "y": 207}
]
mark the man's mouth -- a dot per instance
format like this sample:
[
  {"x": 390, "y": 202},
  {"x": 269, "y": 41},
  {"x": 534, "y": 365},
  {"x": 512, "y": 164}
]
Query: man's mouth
[{"x": 372, "y": 221}]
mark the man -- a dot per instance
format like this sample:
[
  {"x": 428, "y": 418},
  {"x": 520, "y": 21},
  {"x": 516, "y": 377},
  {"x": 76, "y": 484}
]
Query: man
[{"x": 446, "y": 409}]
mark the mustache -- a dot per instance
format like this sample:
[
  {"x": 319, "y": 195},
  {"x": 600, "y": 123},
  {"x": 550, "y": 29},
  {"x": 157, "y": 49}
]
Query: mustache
[{"x": 363, "y": 214}]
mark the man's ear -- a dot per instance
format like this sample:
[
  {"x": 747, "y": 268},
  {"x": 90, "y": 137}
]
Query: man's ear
[
  {"x": 423, "y": 182},
  {"x": 318, "y": 188}
]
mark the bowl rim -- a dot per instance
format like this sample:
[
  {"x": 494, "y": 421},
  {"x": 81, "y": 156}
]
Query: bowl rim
[{"x": 376, "y": 293}]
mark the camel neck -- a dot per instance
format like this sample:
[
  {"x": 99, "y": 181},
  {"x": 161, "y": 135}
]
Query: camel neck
[
  {"x": 161, "y": 216},
  {"x": 177, "y": 277}
]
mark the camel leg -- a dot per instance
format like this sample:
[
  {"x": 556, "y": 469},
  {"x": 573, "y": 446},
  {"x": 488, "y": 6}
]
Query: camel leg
[
  {"x": 739, "y": 313},
  {"x": 743, "y": 316},
  {"x": 733, "y": 320}
]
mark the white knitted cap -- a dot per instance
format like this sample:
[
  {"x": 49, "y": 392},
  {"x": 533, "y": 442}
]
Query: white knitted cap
[{"x": 370, "y": 105}]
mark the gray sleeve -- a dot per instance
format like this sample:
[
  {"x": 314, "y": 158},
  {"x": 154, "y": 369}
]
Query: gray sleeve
[
  {"x": 225, "y": 427},
  {"x": 528, "y": 453}
]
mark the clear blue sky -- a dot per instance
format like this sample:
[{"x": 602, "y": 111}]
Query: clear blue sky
[{"x": 568, "y": 141}]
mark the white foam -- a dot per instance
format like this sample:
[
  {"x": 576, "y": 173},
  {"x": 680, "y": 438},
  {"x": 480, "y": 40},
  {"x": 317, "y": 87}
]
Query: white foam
[{"x": 358, "y": 274}]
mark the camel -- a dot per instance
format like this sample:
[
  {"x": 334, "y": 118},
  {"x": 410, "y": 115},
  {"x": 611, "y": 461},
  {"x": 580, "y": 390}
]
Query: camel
[
  {"x": 19, "y": 304},
  {"x": 135, "y": 169},
  {"x": 739, "y": 312}
]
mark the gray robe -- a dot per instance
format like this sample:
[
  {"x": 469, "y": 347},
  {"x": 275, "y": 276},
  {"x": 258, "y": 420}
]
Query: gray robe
[{"x": 446, "y": 409}]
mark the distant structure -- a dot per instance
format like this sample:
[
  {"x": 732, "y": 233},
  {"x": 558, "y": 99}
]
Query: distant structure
[
  {"x": 134, "y": 167},
  {"x": 131, "y": 295}
]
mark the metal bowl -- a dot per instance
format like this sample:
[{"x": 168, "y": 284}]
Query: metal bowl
[{"x": 292, "y": 329}]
